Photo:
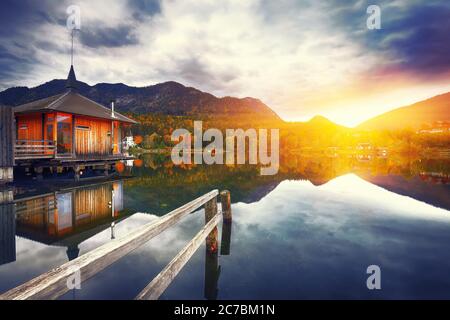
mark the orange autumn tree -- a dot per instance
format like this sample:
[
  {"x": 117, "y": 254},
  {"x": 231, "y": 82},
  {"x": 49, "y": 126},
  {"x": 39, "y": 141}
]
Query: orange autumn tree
[{"x": 138, "y": 139}]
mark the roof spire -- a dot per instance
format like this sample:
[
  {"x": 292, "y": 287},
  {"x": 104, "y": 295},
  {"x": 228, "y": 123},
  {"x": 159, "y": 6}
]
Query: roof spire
[{"x": 71, "y": 82}]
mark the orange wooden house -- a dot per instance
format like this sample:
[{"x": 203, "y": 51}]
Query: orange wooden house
[{"x": 69, "y": 127}]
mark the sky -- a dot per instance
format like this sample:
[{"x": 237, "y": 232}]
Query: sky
[{"x": 302, "y": 58}]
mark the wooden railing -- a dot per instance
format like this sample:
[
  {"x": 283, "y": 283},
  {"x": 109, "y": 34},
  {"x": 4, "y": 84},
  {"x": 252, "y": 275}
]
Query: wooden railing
[
  {"x": 34, "y": 149},
  {"x": 53, "y": 283}
]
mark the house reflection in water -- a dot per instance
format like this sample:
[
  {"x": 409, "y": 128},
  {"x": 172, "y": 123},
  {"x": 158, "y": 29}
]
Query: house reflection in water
[{"x": 70, "y": 216}]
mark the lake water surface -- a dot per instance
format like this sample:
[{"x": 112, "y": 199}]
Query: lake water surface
[{"x": 309, "y": 232}]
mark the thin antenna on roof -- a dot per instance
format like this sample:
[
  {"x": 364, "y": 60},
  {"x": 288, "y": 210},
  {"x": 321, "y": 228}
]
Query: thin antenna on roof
[
  {"x": 71, "y": 82},
  {"x": 71, "y": 54}
]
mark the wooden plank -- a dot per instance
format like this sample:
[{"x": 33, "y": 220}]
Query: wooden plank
[
  {"x": 23, "y": 157},
  {"x": 160, "y": 283},
  {"x": 52, "y": 284}
]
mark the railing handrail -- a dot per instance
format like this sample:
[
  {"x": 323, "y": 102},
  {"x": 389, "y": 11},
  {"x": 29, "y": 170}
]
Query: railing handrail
[
  {"x": 34, "y": 146},
  {"x": 23, "y": 140},
  {"x": 160, "y": 283},
  {"x": 53, "y": 283},
  {"x": 34, "y": 149}
]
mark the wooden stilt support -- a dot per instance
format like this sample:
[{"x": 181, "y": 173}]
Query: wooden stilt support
[
  {"x": 77, "y": 170},
  {"x": 107, "y": 167}
]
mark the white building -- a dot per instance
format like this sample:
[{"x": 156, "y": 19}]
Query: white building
[{"x": 128, "y": 142}]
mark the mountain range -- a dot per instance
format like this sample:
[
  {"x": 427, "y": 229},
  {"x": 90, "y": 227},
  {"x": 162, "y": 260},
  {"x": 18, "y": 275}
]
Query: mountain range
[{"x": 172, "y": 98}]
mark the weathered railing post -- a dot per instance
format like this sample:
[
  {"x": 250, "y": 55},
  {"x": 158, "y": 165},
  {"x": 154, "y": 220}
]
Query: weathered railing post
[
  {"x": 225, "y": 198},
  {"x": 210, "y": 212},
  {"x": 210, "y": 209},
  {"x": 225, "y": 243}
]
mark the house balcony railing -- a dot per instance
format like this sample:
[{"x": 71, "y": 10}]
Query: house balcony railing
[{"x": 34, "y": 149}]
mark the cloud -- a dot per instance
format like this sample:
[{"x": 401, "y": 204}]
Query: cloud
[
  {"x": 108, "y": 37},
  {"x": 144, "y": 8}
]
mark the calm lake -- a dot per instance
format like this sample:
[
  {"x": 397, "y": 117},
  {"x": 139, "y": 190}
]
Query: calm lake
[{"x": 309, "y": 232}]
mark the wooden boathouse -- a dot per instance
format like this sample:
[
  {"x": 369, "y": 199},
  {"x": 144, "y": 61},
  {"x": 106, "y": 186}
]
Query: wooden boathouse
[{"x": 67, "y": 131}]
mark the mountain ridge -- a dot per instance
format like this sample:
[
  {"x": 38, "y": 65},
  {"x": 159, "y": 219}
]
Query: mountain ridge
[
  {"x": 412, "y": 116},
  {"x": 171, "y": 98}
]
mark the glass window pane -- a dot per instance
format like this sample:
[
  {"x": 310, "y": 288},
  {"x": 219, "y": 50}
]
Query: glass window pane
[{"x": 64, "y": 132}]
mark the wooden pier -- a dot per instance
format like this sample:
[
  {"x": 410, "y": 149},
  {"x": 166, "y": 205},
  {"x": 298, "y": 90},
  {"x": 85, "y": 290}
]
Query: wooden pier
[{"x": 53, "y": 283}]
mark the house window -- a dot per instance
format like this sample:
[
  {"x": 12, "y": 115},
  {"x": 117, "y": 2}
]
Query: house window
[{"x": 64, "y": 133}]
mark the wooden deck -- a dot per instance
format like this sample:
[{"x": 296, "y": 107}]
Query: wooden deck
[
  {"x": 77, "y": 165},
  {"x": 42, "y": 151}
]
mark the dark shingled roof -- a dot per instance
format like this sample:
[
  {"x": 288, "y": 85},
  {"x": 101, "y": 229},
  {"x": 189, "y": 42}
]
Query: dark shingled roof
[{"x": 72, "y": 102}]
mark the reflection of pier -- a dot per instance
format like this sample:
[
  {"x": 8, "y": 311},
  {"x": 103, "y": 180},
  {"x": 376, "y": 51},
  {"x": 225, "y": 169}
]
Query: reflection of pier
[
  {"x": 212, "y": 267},
  {"x": 65, "y": 218}
]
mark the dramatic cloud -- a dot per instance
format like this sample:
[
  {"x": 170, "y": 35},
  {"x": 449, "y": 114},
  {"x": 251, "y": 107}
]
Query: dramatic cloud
[{"x": 300, "y": 57}]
